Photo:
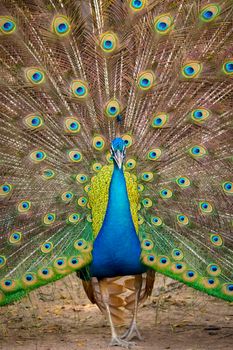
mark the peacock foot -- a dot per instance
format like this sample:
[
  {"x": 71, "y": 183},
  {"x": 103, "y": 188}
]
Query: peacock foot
[
  {"x": 132, "y": 332},
  {"x": 120, "y": 342}
]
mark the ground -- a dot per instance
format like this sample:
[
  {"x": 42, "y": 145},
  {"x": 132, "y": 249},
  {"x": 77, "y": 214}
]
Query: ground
[{"x": 60, "y": 317}]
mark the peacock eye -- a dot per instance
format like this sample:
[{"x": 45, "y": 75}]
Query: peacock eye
[
  {"x": 178, "y": 267},
  {"x": 87, "y": 188},
  {"x": 97, "y": 167},
  {"x": 147, "y": 202},
  {"x": 29, "y": 279},
  {"x": 163, "y": 24},
  {"x": 154, "y": 154},
  {"x": 15, "y": 237},
  {"x": 183, "y": 182},
  {"x": 198, "y": 116},
  {"x": 112, "y": 108},
  {"x": 109, "y": 158},
  {"x": 197, "y": 151},
  {"x": 228, "y": 289},
  {"x": 130, "y": 164},
  {"x": 49, "y": 218},
  {"x": 5, "y": 189},
  {"x": 75, "y": 156},
  {"x": 46, "y": 247},
  {"x": 108, "y": 42},
  {"x": 38, "y": 156},
  {"x": 80, "y": 244},
  {"x": 191, "y": 70},
  {"x": 8, "y": 284},
  {"x": 74, "y": 218},
  {"x": 151, "y": 258},
  {"x": 165, "y": 193},
  {"x": 182, "y": 219},
  {"x": 140, "y": 220},
  {"x": 98, "y": 143},
  {"x": 146, "y": 80},
  {"x": 141, "y": 188},
  {"x": 48, "y": 174},
  {"x": 74, "y": 262},
  {"x": 128, "y": 140},
  {"x": 210, "y": 282},
  {"x": 209, "y": 12},
  {"x": 156, "y": 220},
  {"x": 61, "y": 26},
  {"x": 177, "y": 254},
  {"x": 60, "y": 263},
  {"x": 147, "y": 176},
  {"x": 72, "y": 125},
  {"x": 35, "y": 75},
  {"x": 45, "y": 273},
  {"x": 213, "y": 270},
  {"x": 228, "y": 67},
  {"x": 82, "y": 201},
  {"x": 79, "y": 89},
  {"x": 147, "y": 244},
  {"x": 205, "y": 207},
  {"x": 163, "y": 261},
  {"x": 81, "y": 178},
  {"x": 159, "y": 120},
  {"x": 67, "y": 197},
  {"x": 7, "y": 25},
  {"x": 216, "y": 240},
  {"x": 228, "y": 187},
  {"x": 137, "y": 5},
  {"x": 33, "y": 121},
  {"x": 24, "y": 206},
  {"x": 2, "y": 261},
  {"x": 190, "y": 276}
]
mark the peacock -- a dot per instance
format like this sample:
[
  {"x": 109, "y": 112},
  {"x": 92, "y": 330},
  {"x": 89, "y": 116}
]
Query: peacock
[{"x": 116, "y": 148}]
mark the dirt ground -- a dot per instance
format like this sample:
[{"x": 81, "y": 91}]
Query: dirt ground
[{"x": 60, "y": 317}]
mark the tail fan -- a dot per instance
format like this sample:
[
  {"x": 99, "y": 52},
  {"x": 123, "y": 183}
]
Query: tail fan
[{"x": 76, "y": 74}]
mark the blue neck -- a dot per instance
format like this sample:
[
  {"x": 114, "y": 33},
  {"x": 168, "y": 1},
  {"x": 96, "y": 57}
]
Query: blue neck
[
  {"x": 118, "y": 210},
  {"x": 117, "y": 248}
]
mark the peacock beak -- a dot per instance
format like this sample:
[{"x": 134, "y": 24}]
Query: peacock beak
[{"x": 119, "y": 157}]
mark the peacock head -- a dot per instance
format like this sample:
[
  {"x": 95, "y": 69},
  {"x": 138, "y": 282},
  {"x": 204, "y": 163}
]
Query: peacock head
[{"x": 118, "y": 151}]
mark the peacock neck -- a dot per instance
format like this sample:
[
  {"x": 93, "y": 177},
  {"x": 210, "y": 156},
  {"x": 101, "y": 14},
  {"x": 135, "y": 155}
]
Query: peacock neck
[{"x": 118, "y": 205}]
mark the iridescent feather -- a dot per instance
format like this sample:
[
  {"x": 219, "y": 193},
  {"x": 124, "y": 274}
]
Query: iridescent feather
[{"x": 74, "y": 76}]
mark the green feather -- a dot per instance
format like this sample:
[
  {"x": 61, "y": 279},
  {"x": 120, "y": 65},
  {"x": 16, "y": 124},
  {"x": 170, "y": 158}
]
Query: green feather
[{"x": 74, "y": 76}]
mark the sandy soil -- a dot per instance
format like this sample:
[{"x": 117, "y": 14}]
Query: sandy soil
[{"x": 60, "y": 317}]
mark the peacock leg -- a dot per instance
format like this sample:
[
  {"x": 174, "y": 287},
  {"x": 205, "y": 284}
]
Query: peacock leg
[
  {"x": 133, "y": 329},
  {"x": 115, "y": 341}
]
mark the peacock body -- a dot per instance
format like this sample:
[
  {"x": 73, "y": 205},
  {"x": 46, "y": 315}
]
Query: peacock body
[
  {"x": 116, "y": 147},
  {"x": 111, "y": 248}
]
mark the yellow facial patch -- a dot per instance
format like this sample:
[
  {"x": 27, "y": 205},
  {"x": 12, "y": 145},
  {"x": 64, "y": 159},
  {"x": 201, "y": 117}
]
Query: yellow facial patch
[{"x": 98, "y": 196}]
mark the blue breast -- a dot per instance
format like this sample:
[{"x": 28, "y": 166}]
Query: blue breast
[{"x": 116, "y": 250}]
